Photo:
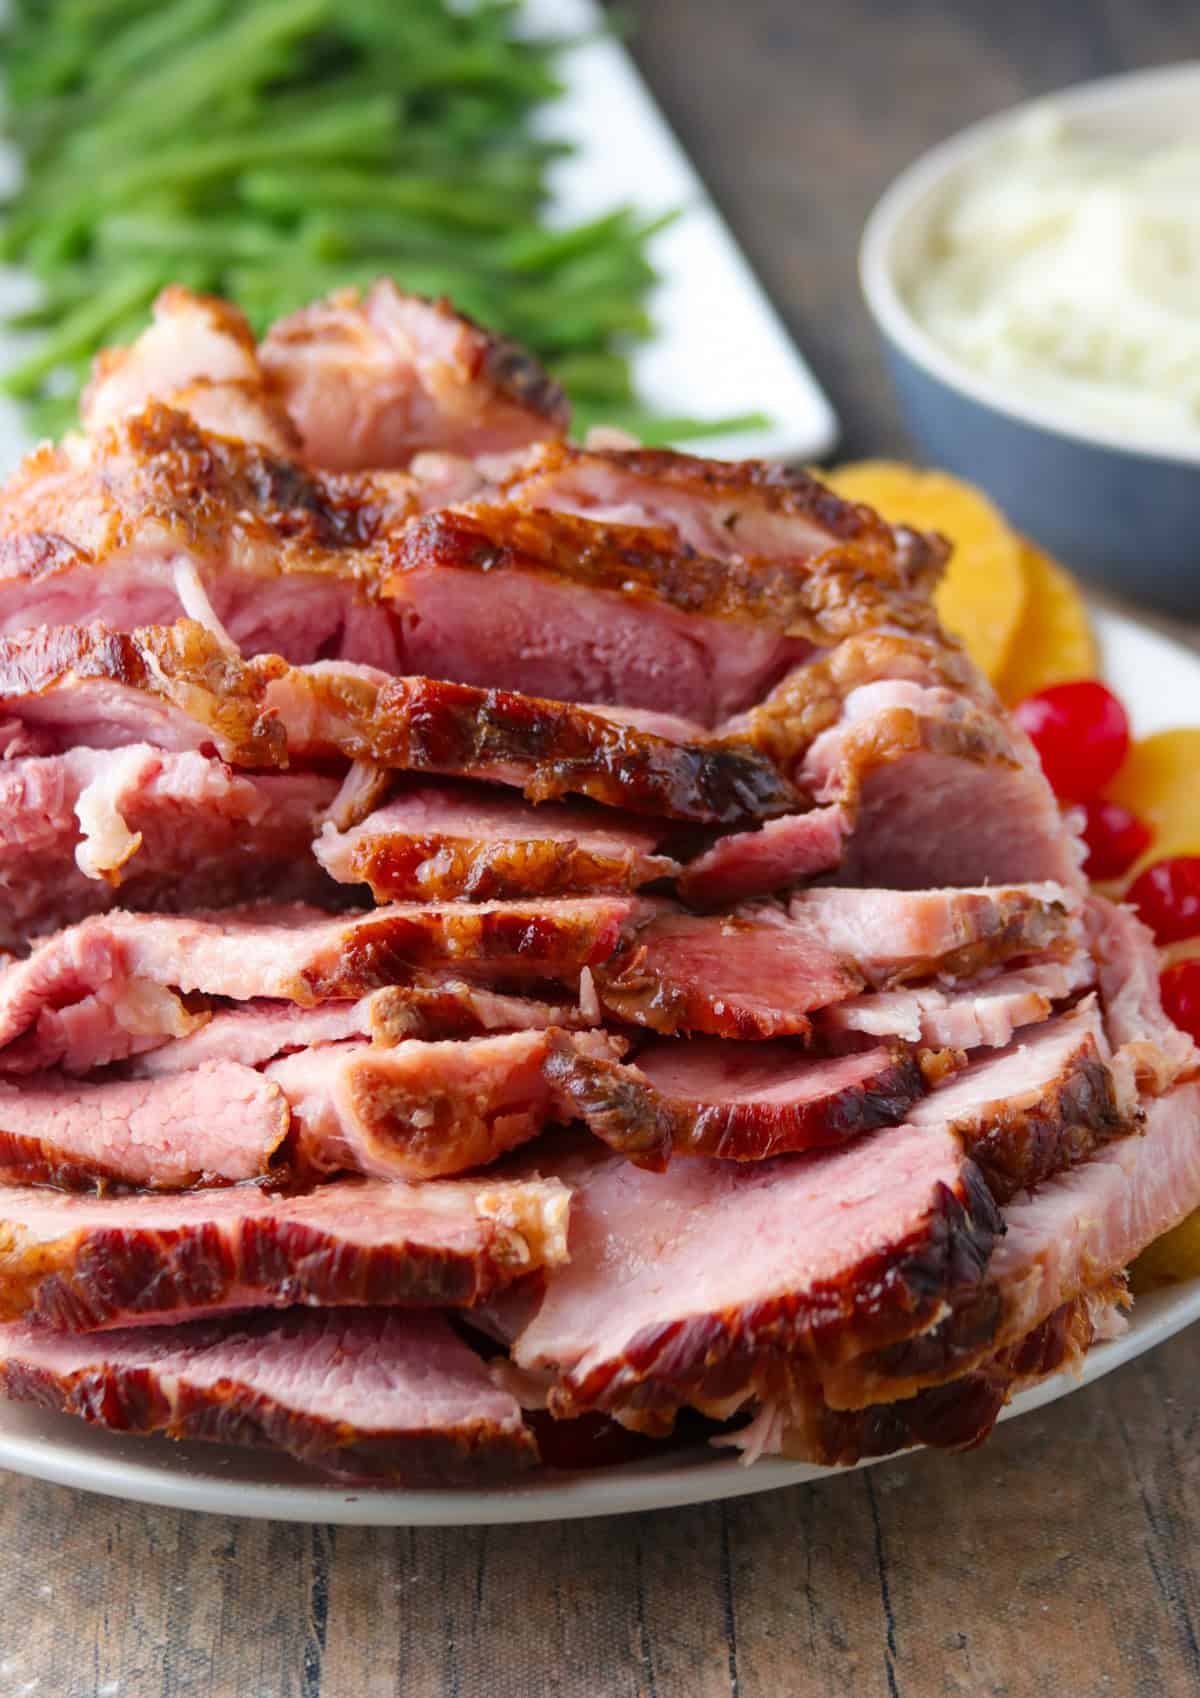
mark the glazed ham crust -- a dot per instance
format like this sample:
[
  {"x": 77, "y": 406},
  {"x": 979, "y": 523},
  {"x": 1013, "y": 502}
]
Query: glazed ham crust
[
  {"x": 84, "y": 1263},
  {"x": 372, "y": 1396}
]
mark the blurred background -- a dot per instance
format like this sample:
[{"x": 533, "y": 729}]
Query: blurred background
[{"x": 798, "y": 115}]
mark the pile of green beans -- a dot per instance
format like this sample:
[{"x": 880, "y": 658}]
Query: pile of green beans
[{"x": 274, "y": 150}]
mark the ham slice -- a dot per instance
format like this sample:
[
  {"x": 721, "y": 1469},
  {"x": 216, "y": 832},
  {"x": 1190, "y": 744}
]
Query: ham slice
[
  {"x": 217, "y": 1125},
  {"x": 260, "y": 1030},
  {"x": 291, "y": 953},
  {"x": 87, "y": 830},
  {"x": 726, "y": 509},
  {"x": 905, "y": 759},
  {"x": 762, "y": 972},
  {"x": 371, "y": 380},
  {"x": 157, "y": 516},
  {"x": 372, "y": 1396},
  {"x": 895, "y": 935},
  {"x": 1043, "y": 1104},
  {"x": 198, "y": 355},
  {"x": 730, "y": 1273},
  {"x": 92, "y": 1262},
  {"x": 1075, "y": 1231},
  {"x": 741, "y": 1102},
  {"x": 548, "y": 749},
  {"x": 1150, "y": 1051},
  {"x": 464, "y": 842},
  {"x": 781, "y": 853},
  {"x": 422, "y": 1110},
  {"x": 982, "y": 1013},
  {"x": 954, "y": 1416},
  {"x": 178, "y": 687},
  {"x": 593, "y": 613}
]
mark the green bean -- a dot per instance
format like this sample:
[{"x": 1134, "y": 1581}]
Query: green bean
[{"x": 275, "y": 150}]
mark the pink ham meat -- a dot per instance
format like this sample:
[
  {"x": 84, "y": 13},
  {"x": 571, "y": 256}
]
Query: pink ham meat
[
  {"x": 372, "y": 1396},
  {"x": 422, "y": 1110},
  {"x": 217, "y": 1125},
  {"x": 592, "y": 613},
  {"x": 761, "y": 973},
  {"x": 730, "y": 1275},
  {"x": 372, "y": 380},
  {"x": 954, "y": 1416},
  {"x": 941, "y": 790},
  {"x": 87, "y": 830},
  {"x": 179, "y": 687},
  {"x": 781, "y": 853},
  {"x": 724, "y": 509},
  {"x": 622, "y": 757},
  {"x": 982, "y": 1013},
  {"x": 85, "y": 1263},
  {"x": 463, "y": 842},
  {"x": 896, "y": 935},
  {"x": 1150, "y": 1052},
  {"x": 155, "y": 517},
  {"x": 259, "y": 1031},
  {"x": 1043, "y": 1104},
  {"x": 1075, "y": 1232},
  {"x": 198, "y": 355},
  {"x": 293, "y": 953},
  {"x": 739, "y": 1102}
]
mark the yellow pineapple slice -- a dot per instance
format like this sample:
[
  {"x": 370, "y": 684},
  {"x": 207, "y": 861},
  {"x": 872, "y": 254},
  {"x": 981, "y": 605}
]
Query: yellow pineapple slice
[{"x": 1053, "y": 644}]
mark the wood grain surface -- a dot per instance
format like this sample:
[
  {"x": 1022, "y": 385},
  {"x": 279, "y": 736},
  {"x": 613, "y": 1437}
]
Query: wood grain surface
[{"x": 1057, "y": 1562}]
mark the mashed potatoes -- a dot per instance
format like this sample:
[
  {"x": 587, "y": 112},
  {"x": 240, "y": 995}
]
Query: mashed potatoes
[{"x": 1069, "y": 269}]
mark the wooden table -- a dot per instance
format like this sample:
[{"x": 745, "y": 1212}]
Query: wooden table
[{"x": 1060, "y": 1559}]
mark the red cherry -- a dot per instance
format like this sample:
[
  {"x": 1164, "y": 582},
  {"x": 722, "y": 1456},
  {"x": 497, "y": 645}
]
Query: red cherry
[
  {"x": 1081, "y": 735},
  {"x": 1167, "y": 896},
  {"x": 1115, "y": 839},
  {"x": 1181, "y": 996}
]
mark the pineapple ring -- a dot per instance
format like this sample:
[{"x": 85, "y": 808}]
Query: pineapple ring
[
  {"x": 1053, "y": 643},
  {"x": 982, "y": 596}
]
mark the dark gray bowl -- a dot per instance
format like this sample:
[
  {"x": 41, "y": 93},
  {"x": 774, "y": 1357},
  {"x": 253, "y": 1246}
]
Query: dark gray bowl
[{"x": 1127, "y": 513}]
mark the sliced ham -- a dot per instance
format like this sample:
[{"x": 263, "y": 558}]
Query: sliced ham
[
  {"x": 762, "y": 972},
  {"x": 89, "y": 829},
  {"x": 422, "y": 1110},
  {"x": 548, "y": 749},
  {"x": 259, "y": 1031},
  {"x": 371, "y": 380},
  {"x": 1150, "y": 1051},
  {"x": 592, "y": 612},
  {"x": 198, "y": 355},
  {"x": 91, "y": 1262},
  {"x": 465, "y": 842},
  {"x": 178, "y": 687},
  {"x": 736, "y": 1101},
  {"x": 982, "y": 1013},
  {"x": 895, "y": 935},
  {"x": 714, "y": 1277},
  {"x": 217, "y": 1125},
  {"x": 906, "y": 760},
  {"x": 372, "y": 1396},
  {"x": 726, "y": 509},
  {"x": 156, "y": 516},
  {"x": 296, "y": 954},
  {"x": 727, "y": 976},
  {"x": 954, "y": 1416},
  {"x": 781, "y": 853},
  {"x": 1043, "y": 1104},
  {"x": 1078, "y": 1229}
]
